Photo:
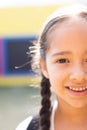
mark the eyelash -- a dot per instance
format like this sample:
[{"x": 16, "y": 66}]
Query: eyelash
[
  {"x": 65, "y": 61},
  {"x": 62, "y": 61}
]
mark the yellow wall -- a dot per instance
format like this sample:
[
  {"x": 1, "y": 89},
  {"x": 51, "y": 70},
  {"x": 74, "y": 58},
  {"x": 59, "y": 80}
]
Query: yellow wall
[{"x": 23, "y": 20}]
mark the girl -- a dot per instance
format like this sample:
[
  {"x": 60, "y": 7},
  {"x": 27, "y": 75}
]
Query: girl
[{"x": 62, "y": 55}]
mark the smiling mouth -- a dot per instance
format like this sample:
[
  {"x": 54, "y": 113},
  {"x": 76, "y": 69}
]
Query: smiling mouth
[{"x": 80, "y": 89}]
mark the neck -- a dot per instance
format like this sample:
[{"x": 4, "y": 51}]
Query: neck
[{"x": 71, "y": 113}]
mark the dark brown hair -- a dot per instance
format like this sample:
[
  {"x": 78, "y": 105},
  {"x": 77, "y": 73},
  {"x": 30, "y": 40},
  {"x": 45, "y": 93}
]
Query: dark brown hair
[{"x": 58, "y": 17}]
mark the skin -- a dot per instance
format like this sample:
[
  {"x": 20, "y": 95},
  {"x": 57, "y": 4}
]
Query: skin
[{"x": 68, "y": 41}]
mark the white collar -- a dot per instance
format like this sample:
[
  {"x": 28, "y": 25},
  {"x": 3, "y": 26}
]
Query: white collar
[
  {"x": 53, "y": 114},
  {"x": 23, "y": 125}
]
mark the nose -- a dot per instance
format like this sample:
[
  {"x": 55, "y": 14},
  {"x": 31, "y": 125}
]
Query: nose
[{"x": 78, "y": 75}]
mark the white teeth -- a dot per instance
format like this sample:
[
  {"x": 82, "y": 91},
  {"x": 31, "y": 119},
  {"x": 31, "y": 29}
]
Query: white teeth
[{"x": 78, "y": 89}]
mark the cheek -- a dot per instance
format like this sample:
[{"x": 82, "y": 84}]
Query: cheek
[
  {"x": 58, "y": 74},
  {"x": 57, "y": 79}
]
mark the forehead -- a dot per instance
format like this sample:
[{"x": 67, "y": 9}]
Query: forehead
[{"x": 70, "y": 30}]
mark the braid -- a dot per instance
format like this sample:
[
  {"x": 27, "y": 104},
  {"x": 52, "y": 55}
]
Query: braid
[{"x": 45, "y": 111}]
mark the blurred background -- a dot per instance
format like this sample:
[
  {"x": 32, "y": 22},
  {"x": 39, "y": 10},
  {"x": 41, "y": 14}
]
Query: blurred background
[{"x": 20, "y": 24}]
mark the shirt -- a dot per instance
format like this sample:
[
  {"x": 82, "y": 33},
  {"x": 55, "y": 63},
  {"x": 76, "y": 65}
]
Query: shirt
[{"x": 24, "y": 124}]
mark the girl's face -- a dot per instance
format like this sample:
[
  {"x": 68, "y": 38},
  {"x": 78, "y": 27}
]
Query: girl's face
[{"x": 66, "y": 62}]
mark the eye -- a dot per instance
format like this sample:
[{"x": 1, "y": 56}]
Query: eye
[{"x": 63, "y": 60}]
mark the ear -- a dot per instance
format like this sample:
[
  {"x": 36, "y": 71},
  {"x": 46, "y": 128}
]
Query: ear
[{"x": 43, "y": 68}]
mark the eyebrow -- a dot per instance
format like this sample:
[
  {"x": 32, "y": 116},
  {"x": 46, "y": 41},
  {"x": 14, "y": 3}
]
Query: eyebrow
[{"x": 61, "y": 53}]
